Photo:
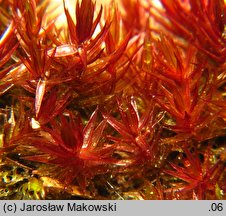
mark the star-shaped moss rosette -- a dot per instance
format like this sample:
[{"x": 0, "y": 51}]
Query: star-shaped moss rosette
[
  {"x": 79, "y": 153},
  {"x": 200, "y": 178}
]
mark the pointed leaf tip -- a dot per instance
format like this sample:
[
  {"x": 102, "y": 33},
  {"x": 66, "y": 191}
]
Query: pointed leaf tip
[{"x": 40, "y": 91}]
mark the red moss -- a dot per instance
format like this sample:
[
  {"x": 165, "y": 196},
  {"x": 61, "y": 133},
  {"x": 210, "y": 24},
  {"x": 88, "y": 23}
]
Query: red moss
[{"x": 160, "y": 90}]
